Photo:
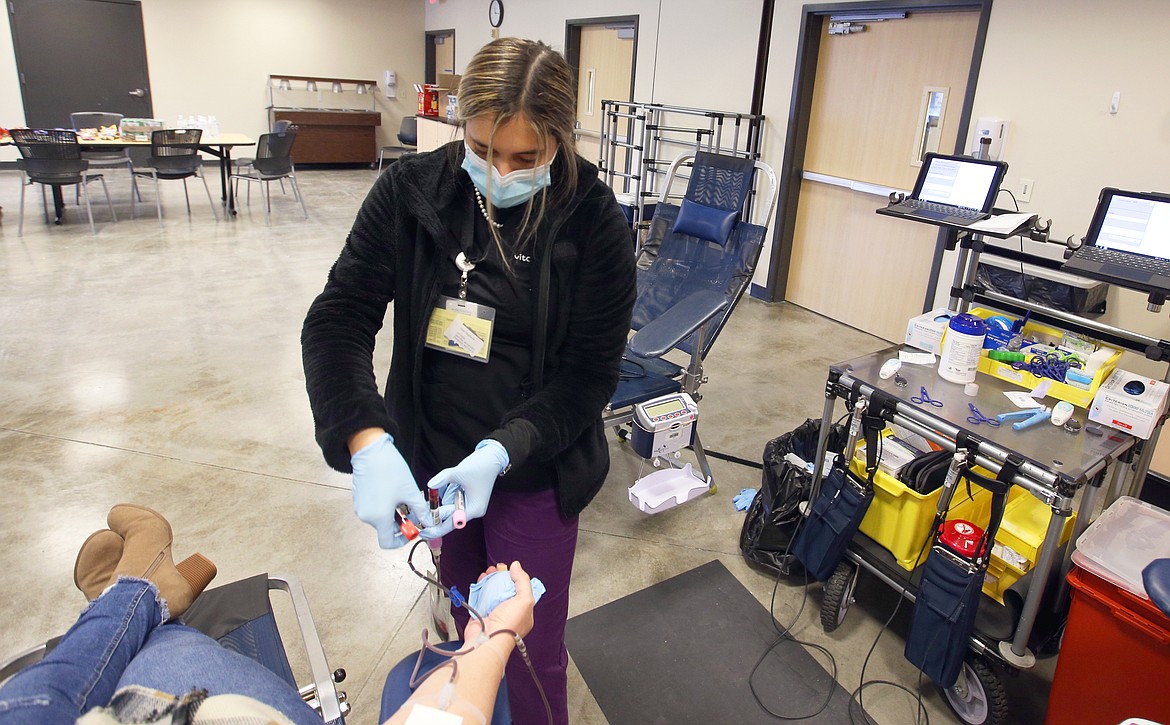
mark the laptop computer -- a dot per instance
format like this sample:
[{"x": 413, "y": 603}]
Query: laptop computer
[
  {"x": 955, "y": 190},
  {"x": 1128, "y": 243}
]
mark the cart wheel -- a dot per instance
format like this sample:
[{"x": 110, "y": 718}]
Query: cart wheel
[
  {"x": 838, "y": 595},
  {"x": 978, "y": 696}
]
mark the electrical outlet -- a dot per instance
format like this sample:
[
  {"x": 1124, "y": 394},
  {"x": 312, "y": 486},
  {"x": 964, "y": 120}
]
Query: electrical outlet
[{"x": 1025, "y": 192}]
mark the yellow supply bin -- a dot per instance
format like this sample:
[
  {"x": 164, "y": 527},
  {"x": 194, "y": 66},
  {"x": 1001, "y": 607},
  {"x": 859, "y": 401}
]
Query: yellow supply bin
[
  {"x": 1061, "y": 391},
  {"x": 899, "y": 518}
]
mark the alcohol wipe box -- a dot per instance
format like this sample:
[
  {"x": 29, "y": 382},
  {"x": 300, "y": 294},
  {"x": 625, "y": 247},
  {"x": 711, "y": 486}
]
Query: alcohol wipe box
[
  {"x": 1130, "y": 402},
  {"x": 925, "y": 332}
]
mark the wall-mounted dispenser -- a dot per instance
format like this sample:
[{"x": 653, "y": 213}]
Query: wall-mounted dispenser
[{"x": 995, "y": 129}]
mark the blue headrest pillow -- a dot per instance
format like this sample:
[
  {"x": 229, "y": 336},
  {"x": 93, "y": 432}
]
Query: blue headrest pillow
[{"x": 704, "y": 222}]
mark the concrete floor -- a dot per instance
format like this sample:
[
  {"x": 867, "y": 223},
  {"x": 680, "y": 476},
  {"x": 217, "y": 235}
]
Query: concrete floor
[{"x": 163, "y": 367}]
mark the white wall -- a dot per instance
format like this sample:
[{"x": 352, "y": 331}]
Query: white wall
[
  {"x": 690, "y": 52},
  {"x": 216, "y": 61},
  {"x": 1051, "y": 68}
]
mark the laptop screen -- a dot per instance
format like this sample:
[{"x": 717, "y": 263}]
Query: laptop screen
[
  {"x": 959, "y": 182},
  {"x": 1132, "y": 222}
]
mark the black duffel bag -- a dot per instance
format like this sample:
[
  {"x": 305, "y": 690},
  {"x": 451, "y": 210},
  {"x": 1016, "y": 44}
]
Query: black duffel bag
[{"x": 771, "y": 520}]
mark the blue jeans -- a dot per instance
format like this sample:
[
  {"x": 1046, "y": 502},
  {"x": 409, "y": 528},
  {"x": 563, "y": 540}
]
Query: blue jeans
[{"x": 119, "y": 641}]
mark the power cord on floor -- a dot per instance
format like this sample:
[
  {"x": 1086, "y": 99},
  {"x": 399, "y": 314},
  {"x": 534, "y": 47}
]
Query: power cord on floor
[
  {"x": 785, "y": 632},
  {"x": 856, "y": 697}
]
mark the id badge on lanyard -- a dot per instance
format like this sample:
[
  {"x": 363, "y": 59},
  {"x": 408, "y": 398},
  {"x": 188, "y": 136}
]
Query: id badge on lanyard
[{"x": 459, "y": 327}]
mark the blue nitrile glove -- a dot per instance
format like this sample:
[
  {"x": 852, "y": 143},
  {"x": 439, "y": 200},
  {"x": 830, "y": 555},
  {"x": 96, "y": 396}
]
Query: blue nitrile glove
[
  {"x": 495, "y": 588},
  {"x": 476, "y": 475},
  {"x": 382, "y": 481},
  {"x": 744, "y": 499}
]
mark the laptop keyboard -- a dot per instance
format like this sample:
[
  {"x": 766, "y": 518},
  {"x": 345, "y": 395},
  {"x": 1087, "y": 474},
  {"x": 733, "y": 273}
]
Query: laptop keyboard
[
  {"x": 936, "y": 208},
  {"x": 1125, "y": 259}
]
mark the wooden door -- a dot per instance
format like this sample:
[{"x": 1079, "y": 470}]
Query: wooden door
[
  {"x": 445, "y": 54},
  {"x": 604, "y": 72},
  {"x": 848, "y": 263},
  {"x": 80, "y": 55}
]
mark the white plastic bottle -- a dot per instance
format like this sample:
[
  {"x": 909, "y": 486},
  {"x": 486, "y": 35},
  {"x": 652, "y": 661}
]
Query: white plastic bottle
[{"x": 962, "y": 346}]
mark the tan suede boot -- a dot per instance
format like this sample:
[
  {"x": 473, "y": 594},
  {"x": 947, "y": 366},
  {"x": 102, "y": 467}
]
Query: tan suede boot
[
  {"x": 96, "y": 561},
  {"x": 146, "y": 554}
]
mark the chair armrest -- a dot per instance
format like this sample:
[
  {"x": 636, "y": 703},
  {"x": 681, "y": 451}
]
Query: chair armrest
[
  {"x": 318, "y": 666},
  {"x": 678, "y": 322}
]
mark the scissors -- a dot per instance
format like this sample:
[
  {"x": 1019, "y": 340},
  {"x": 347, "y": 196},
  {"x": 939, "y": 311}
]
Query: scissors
[
  {"x": 923, "y": 398},
  {"x": 976, "y": 417}
]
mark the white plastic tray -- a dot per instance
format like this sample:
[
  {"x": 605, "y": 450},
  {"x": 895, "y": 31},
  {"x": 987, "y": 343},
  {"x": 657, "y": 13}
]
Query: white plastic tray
[{"x": 1122, "y": 541}]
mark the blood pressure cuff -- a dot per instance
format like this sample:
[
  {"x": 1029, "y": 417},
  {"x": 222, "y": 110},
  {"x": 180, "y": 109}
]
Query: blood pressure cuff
[
  {"x": 832, "y": 522},
  {"x": 926, "y": 473}
]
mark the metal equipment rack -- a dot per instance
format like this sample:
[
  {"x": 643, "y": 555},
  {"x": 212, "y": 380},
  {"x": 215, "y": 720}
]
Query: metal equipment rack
[
  {"x": 653, "y": 134},
  {"x": 1058, "y": 468}
]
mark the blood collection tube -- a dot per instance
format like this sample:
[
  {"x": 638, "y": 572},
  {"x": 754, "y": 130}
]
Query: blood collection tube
[{"x": 459, "y": 518}]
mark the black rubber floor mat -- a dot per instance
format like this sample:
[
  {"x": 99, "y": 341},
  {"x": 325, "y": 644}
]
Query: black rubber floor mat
[{"x": 681, "y": 651}]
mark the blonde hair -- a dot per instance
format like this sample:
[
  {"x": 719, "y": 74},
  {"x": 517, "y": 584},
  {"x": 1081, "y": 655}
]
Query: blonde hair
[{"x": 511, "y": 77}]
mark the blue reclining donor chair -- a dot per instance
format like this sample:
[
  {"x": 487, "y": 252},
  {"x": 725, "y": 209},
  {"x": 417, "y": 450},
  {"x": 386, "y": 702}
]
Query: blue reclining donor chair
[
  {"x": 695, "y": 265},
  {"x": 239, "y": 616}
]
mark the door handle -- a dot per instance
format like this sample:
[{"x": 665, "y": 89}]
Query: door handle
[{"x": 138, "y": 93}]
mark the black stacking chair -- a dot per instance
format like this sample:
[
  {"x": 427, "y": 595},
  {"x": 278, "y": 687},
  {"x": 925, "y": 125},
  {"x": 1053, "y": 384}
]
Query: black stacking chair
[
  {"x": 407, "y": 137},
  {"x": 243, "y": 165},
  {"x": 273, "y": 161},
  {"x": 52, "y": 157},
  {"x": 112, "y": 158},
  {"x": 174, "y": 156}
]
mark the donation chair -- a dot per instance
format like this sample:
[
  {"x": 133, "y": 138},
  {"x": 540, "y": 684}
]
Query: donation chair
[
  {"x": 52, "y": 157},
  {"x": 112, "y": 158},
  {"x": 273, "y": 162},
  {"x": 174, "y": 155},
  {"x": 239, "y": 616},
  {"x": 407, "y": 138},
  {"x": 694, "y": 266}
]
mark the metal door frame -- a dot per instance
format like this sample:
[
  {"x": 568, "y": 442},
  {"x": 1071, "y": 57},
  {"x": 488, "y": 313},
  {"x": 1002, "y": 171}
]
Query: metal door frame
[{"x": 813, "y": 18}]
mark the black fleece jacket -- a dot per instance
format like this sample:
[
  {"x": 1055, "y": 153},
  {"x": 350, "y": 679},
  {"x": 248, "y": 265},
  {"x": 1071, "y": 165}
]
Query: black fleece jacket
[{"x": 410, "y": 224}]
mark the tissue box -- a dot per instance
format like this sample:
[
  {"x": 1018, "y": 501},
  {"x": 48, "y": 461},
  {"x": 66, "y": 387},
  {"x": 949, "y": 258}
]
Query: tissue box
[
  {"x": 925, "y": 332},
  {"x": 1136, "y": 410}
]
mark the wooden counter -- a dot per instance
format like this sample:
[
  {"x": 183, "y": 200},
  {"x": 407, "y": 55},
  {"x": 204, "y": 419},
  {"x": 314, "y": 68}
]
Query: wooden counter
[{"x": 332, "y": 137}]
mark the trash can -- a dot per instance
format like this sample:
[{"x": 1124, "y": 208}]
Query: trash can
[
  {"x": 1116, "y": 648},
  {"x": 768, "y": 528}
]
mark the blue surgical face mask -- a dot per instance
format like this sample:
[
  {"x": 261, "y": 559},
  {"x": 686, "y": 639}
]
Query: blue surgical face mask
[{"x": 508, "y": 190}]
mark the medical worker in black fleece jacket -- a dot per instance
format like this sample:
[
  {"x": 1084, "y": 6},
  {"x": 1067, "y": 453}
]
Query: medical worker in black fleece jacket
[{"x": 510, "y": 267}]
